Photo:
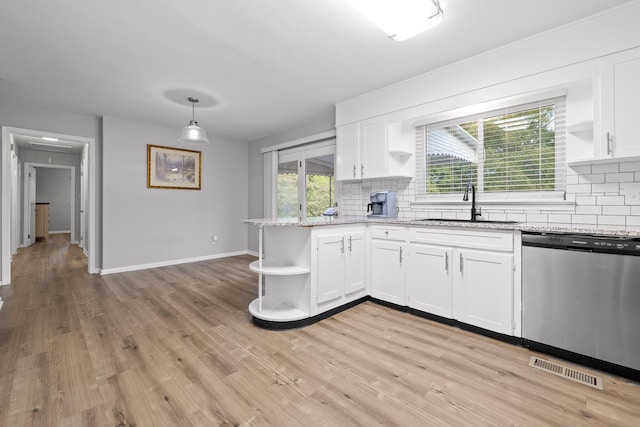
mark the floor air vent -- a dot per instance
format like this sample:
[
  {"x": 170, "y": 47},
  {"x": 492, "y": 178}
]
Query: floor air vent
[{"x": 563, "y": 371}]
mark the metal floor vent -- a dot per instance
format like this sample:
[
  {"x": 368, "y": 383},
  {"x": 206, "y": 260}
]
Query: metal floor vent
[{"x": 563, "y": 371}]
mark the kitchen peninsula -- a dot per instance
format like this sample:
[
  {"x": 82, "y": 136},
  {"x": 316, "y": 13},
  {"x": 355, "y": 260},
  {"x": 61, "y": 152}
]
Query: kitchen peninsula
[{"x": 466, "y": 272}]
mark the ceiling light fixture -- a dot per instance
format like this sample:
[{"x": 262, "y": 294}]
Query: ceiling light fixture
[
  {"x": 48, "y": 138},
  {"x": 400, "y": 19},
  {"x": 192, "y": 133}
]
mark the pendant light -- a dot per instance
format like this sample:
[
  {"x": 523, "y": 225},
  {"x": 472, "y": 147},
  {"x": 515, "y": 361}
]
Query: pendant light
[{"x": 192, "y": 133}]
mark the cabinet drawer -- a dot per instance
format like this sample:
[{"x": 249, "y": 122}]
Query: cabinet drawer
[
  {"x": 389, "y": 232},
  {"x": 464, "y": 238}
]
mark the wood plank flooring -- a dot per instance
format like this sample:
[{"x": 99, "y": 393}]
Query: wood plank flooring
[{"x": 174, "y": 346}]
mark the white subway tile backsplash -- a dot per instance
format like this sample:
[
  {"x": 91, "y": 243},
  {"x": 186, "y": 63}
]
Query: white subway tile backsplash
[
  {"x": 585, "y": 200},
  {"x": 612, "y": 220},
  {"x": 584, "y": 219},
  {"x": 589, "y": 210},
  {"x": 605, "y": 168},
  {"x": 573, "y": 179},
  {"x": 631, "y": 193},
  {"x": 605, "y": 188},
  {"x": 616, "y": 210},
  {"x": 591, "y": 179},
  {"x": 610, "y": 200},
  {"x": 619, "y": 177},
  {"x": 579, "y": 170},
  {"x": 560, "y": 219},
  {"x": 630, "y": 167},
  {"x": 606, "y": 196},
  {"x": 580, "y": 188}
]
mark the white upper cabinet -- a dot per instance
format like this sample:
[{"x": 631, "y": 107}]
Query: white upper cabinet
[
  {"x": 374, "y": 148},
  {"x": 618, "y": 106},
  {"x": 348, "y": 152}
]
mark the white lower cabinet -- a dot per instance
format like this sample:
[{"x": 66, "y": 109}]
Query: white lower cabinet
[
  {"x": 388, "y": 271},
  {"x": 340, "y": 265},
  {"x": 473, "y": 286},
  {"x": 483, "y": 290},
  {"x": 355, "y": 262},
  {"x": 429, "y": 279}
]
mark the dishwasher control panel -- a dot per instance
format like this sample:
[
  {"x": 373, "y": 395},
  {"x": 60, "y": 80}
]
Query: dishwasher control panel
[{"x": 587, "y": 242}]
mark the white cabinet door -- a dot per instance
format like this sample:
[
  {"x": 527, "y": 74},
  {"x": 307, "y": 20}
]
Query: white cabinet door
[
  {"x": 354, "y": 262},
  {"x": 348, "y": 165},
  {"x": 429, "y": 279},
  {"x": 387, "y": 271},
  {"x": 373, "y": 147},
  {"x": 330, "y": 277},
  {"x": 483, "y": 289},
  {"x": 619, "y": 105}
]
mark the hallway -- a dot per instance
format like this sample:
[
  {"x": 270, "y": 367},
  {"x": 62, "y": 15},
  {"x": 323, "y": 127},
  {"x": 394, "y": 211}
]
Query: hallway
[{"x": 175, "y": 346}]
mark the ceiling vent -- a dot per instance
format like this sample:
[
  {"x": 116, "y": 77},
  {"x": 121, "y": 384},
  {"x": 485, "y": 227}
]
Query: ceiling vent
[{"x": 50, "y": 147}]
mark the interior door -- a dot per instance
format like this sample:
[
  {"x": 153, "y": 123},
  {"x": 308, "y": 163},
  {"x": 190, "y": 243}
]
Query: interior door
[{"x": 32, "y": 205}]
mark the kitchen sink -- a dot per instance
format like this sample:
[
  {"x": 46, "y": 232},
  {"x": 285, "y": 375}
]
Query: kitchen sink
[{"x": 467, "y": 220}]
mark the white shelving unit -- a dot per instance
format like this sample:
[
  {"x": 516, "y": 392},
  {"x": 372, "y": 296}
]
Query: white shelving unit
[{"x": 283, "y": 275}]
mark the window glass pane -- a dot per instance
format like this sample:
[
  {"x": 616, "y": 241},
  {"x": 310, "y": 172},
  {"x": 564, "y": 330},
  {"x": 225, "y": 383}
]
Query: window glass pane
[
  {"x": 452, "y": 157},
  {"x": 520, "y": 149},
  {"x": 288, "y": 189},
  {"x": 319, "y": 185}
]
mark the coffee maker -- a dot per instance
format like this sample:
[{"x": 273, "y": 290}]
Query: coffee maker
[{"x": 383, "y": 205}]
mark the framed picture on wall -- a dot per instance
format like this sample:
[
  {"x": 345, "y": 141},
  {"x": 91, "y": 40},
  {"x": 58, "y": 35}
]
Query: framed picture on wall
[{"x": 169, "y": 167}]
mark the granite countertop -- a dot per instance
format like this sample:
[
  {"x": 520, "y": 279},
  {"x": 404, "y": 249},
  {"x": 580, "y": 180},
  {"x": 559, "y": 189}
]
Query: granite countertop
[{"x": 324, "y": 221}]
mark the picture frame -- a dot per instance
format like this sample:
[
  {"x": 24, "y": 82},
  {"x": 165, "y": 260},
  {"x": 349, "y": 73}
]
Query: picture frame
[{"x": 173, "y": 168}]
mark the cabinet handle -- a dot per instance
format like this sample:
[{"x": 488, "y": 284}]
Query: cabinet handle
[
  {"x": 350, "y": 249},
  {"x": 461, "y": 264},
  {"x": 354, "y": 170},
  {"x": 342, "y": 245},
  {"x": 446, "y": 261},
  {"x": 361, "y": 170},
  {"x": 609, "y": 143},
  {"x": 400, "y": 254}
]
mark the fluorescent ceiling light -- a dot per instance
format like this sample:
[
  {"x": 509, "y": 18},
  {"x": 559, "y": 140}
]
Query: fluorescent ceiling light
[
  {"x": 47, "y": 138},
  {"x": 400, "y": 19}
]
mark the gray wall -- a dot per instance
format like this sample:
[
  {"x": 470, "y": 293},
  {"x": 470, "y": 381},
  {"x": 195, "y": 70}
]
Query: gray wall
[
  {"x": 144, "y": 225},
  {"x": 256, "y": 167},
  {"x": 44, "y": 119},
  {"x": 53, "y": 186}
]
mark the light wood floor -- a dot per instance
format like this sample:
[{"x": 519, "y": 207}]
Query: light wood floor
[{"x": 174, "y": 346}]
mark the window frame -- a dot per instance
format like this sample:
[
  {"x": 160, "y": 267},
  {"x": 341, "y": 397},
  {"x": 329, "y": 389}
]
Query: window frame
[{"x": 483, "y": 111}]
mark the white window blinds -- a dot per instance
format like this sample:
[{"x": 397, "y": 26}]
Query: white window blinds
[{"x": 519, "y": 149}]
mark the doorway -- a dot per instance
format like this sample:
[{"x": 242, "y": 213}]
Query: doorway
[
  {"x": 12, "y": 215},
  {"x": 306, "y": 181},
  {"x": 62, "y": 201}
]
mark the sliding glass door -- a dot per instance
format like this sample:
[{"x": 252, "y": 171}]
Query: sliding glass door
[{"x": 306, "y": 182}]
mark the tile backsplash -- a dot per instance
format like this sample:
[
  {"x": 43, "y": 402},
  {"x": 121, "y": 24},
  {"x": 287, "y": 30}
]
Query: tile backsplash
[{"x": 606, "y": 196}]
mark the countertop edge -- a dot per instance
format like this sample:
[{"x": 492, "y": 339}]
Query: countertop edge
[{"x": 523, "y": 227}]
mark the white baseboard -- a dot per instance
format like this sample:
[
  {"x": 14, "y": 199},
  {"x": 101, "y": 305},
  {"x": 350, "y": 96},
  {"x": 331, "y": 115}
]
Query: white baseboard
[
  {"x": 106, "y": 271},
  {"x": 255, "y": 254},
  {"x": 60, "y": 232}
]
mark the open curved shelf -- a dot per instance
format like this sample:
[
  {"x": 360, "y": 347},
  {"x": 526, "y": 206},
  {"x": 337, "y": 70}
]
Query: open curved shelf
[
  {"x": 275, "y": 269},
  {"x": 276, "y": 311}
]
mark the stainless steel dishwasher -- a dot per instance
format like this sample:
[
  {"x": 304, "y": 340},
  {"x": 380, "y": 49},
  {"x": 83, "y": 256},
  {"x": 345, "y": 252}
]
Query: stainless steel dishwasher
[{"x": 581, "y": 299}]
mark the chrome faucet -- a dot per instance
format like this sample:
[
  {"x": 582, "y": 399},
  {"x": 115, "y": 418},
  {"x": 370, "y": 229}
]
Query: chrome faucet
[{"x": 465, "y": 198}]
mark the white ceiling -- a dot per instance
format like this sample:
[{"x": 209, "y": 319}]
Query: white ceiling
[{"x": 259, "y": 67}]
